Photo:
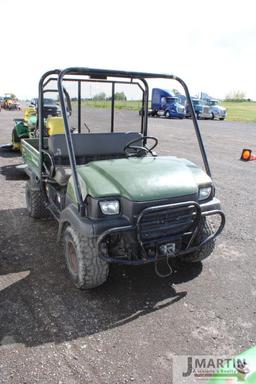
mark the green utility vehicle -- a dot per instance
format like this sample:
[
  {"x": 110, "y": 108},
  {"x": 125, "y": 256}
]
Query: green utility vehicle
[{"x": 115, "y": 200}]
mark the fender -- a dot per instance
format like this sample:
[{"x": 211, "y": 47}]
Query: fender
[
  {"x": 85, "y": 226},
  {"x": 81, "y": 224}
]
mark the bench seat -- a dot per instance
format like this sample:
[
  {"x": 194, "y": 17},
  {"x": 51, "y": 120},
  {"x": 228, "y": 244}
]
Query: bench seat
[{"x": 91, "y": 146}]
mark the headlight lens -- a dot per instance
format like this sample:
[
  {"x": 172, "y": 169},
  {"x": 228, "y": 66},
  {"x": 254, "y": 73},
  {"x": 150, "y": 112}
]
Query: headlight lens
[
  {"x": 110, "y": 207},
  {"x": 204, "y": 193}
]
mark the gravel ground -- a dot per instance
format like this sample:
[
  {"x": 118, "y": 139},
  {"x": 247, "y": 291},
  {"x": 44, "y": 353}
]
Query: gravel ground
[{"x": 129, "y": 329}]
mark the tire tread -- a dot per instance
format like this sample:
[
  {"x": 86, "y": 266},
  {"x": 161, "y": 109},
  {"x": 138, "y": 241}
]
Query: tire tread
[
  {"x": 36, "y": 202},
  {"x": 92, "y": 270}
]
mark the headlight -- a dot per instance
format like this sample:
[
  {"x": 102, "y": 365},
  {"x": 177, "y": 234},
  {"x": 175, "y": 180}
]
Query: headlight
[
  {"x": 204, "y": 193},
  {"x": 110, "y": 207}
]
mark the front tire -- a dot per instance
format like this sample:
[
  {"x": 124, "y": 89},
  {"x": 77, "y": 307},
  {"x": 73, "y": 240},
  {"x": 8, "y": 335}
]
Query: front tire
[
  {"x": 206, "y": 250},
  {"x": 86, "y": 269},
  {"x": 167, "y": 114},
  {"x": 213, "y": 117}
]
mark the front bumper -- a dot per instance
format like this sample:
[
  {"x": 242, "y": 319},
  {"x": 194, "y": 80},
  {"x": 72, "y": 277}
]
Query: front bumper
[
  {"x": 201, "y": 211},
  {"x": 179, "y": 115},
  {"x": 204, "y": 115},
  {"x": 220, "y": 114}
]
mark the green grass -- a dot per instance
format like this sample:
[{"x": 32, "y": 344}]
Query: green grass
[
  {"x": 245, "y": 111},
  {"x": 132, "y": 105}
]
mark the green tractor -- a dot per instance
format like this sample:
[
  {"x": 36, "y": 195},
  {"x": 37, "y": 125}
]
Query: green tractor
[
  {"x": 28, "y": 127},
  {"x": 24, "y": 128},
  {"x": 115, "y": 199}
]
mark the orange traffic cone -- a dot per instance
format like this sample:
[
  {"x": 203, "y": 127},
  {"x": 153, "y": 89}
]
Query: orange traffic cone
[{"x": 247, "y": 155}]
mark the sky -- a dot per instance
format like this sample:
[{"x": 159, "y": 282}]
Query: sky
[{"x": 210, "y": 44}]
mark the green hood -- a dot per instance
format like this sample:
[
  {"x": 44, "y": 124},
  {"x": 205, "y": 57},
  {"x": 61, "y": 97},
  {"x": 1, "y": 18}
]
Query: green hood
[{"x": 140, "y": 179}]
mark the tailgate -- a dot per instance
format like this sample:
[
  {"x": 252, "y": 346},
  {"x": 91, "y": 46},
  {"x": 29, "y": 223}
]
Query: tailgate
[{"x": 30, "y": 154}]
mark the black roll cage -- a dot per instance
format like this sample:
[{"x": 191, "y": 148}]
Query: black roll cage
[{"x": 102, "y": 75}]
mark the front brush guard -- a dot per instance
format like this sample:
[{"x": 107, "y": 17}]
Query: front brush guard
[{"x": 137, "y": 227}]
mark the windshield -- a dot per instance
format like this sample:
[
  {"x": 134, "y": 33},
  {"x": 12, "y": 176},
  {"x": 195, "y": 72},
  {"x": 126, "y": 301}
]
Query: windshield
[
  {"x": 49, "y": 101},
  {"x": 172, "y": 100},
  {"x": 196, "y": 102},
  {"x": 213, "y": 102}
]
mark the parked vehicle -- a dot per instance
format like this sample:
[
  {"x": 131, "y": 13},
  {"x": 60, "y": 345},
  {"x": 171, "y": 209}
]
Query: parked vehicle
[
  {"x": 115, "y": 199},
  {"x": 163, "y": 103},
  {"x": 27, "y": 127},
  {"x": 50, "y": 105},
  {"x": 24, "y": 128},
  {"x": 217, "y": 111},
  {"x": 201, "y": 109},
  {"x": 18, "y": 105},
  {"x": 1, "y": 102},
  {"x": 9, "y": 103}
]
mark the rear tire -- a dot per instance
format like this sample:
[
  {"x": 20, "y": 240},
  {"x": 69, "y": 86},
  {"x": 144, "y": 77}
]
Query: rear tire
[
  {"x": 36, "y": 202},
  {"x": 206, "y": 250},
  {"x": 86, "y": 269}
]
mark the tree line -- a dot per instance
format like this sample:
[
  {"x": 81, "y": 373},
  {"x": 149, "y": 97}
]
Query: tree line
[{"x": 103, "y": 97}]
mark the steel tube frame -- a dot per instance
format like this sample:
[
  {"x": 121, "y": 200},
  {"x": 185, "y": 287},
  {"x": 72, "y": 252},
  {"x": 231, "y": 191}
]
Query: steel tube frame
[
  {"x": 44, "y": 81},
  {"x": 112, "y": 107},
  {"x": 41, "y": 117},
  {"x": 113, "y": 82},
  {"x": 79, "y": 106},
  {"x": 101, "y": 73}
]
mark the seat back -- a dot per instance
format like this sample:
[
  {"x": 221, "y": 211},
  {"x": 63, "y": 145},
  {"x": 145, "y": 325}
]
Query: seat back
[
  {"x": 55, "y": 125},
  {"x": 91, "y": 146}
]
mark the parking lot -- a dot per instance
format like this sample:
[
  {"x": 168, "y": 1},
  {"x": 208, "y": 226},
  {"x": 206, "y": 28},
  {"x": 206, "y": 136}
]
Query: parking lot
[{"x": 128, "y": 329}]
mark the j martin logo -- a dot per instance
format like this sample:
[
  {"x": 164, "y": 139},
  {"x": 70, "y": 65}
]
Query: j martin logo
[{"x": 209, "y": 369}]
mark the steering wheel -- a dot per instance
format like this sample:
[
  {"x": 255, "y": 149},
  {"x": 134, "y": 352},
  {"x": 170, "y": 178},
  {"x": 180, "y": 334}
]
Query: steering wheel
[{"x": 141, "y": 150}]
